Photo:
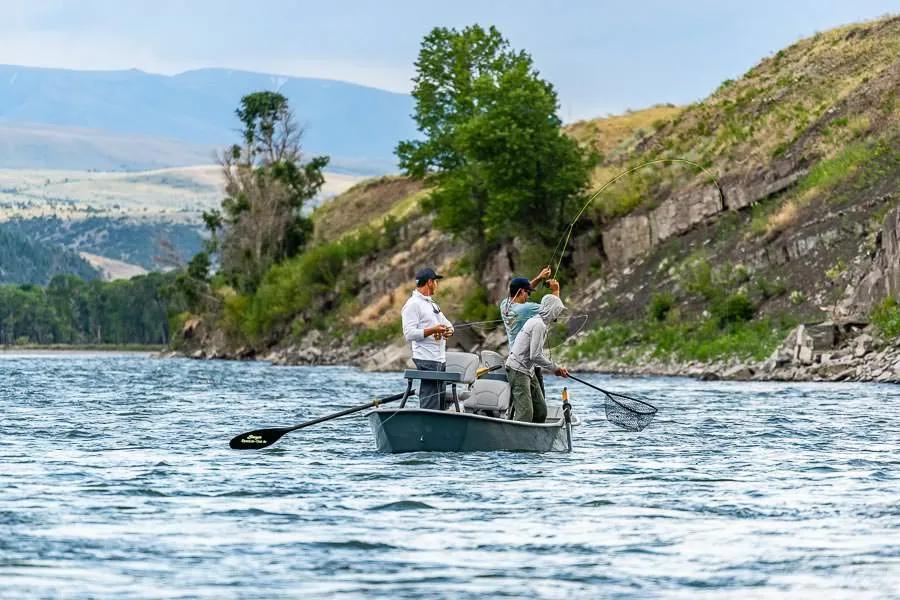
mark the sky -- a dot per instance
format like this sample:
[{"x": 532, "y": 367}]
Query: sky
[{"x": 603, "y": 57}]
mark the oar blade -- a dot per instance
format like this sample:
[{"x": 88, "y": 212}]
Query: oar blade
[{"x": 258, "y": 438}]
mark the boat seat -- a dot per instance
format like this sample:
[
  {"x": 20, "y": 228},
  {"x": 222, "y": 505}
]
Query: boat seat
[
  {"x": 490, "y": 358},
  {"x": 490, "y": 396},
  {"x": 466, "y": 364}
]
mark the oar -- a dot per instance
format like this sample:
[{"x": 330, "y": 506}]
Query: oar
[{"x": 260, "y": 438}]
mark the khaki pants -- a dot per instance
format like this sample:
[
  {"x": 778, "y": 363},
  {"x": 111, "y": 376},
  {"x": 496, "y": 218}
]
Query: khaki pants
[{"x": 527, "y": 398}]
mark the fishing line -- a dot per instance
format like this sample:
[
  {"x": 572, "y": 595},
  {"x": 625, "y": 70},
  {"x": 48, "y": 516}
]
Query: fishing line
[{"x": 564, "y": 240}]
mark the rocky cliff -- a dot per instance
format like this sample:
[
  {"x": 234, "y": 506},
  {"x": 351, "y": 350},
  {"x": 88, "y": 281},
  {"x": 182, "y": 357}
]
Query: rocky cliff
[{"x": 755, "y": 238}]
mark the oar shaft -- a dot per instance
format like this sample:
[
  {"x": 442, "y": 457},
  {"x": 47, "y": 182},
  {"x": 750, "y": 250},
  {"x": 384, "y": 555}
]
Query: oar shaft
[{"x": 347, "y": 411}]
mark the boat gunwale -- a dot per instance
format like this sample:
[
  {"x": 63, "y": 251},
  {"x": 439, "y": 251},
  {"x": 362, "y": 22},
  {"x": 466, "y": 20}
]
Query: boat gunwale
[{"x": 556, "y": 423}]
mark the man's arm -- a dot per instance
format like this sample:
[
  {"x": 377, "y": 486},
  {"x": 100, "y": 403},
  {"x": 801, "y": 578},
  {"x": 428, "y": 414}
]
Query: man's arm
[
  {"x": 410, "y": 318},
  {"x": 544, "y": 274},
  {"x": 554, "y": 287},
  {"x": 536, "y": 350}
]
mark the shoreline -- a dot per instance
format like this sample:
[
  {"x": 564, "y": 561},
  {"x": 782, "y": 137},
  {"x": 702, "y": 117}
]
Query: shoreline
[
  {"x": 876, "y": 367},
  {"x": 79, "y": 350}
]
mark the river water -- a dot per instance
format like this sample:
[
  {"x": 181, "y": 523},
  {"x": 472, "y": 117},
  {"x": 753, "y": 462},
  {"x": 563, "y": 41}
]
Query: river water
[{"x": 116, "y": 480}]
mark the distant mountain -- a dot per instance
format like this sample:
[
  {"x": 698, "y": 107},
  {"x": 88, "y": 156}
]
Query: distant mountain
[
  {"x": 30, "y": 146},
  {"x": 358, "y": 126}
]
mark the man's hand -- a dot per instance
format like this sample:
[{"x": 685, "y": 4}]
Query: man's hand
[
  {"x": 438, "y": 331},
  {"x": 545, "y": 273},
  {"x": 554, "y": 286},
  {"x": 561, "y": 372}
]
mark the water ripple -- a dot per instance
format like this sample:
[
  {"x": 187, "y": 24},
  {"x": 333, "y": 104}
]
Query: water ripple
[{"x": 126, "y": 488}]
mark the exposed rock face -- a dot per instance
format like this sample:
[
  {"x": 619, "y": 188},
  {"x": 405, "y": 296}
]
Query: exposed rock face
[
  {"x": 626, "y": 239},
  {"x": 682, "y": 211},
  {"x": 760, "y": 184},
  {"x": 882, "y": 277},
  {"x": 634, "y": 235}
]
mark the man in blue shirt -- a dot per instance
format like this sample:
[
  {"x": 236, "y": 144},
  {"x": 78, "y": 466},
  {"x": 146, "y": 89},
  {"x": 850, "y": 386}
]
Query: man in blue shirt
[{"x": 515, "y": 309}]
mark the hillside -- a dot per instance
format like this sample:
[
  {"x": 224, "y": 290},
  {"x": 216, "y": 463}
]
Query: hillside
[
  {"x": 40, "y": 109},
  {"x": 24, "y": 261},
  {"x": 122, "y": 216},
  {"x": 770, "y": 204}
]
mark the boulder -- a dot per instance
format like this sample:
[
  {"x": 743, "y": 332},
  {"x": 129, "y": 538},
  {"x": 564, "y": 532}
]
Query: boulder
[{"x": 863, "y": 345}]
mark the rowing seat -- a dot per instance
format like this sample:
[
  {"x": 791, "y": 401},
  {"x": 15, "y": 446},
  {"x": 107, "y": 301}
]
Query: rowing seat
[
  {"x": 466, "y": 364},
  {"x": 489, "y": 358},
  {"x": 489, "y": 396}
]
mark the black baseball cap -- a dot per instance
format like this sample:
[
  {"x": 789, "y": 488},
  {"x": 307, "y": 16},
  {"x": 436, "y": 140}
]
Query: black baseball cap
[
  {"x": 423, "y": 275},
  {"x": 519, "y": 283}
]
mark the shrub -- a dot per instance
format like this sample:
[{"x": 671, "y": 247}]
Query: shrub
[
  {"x": 733, "y": 309},
  {"x": 660, "y": 305},
  {"x": 477, "y": 307},
  {"x": 797, "y": 297},
  {"x": 886, "y": 318}
]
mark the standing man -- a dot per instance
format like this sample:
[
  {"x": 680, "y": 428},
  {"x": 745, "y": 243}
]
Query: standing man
[
  {"x": 426, "y": 328},
  {"x": 515, "y": 309},
  {"x": 526, "y": 354}
]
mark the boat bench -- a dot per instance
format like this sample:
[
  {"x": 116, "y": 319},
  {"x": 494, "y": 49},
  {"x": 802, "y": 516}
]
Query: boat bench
[{"x": 443, "y": 376}]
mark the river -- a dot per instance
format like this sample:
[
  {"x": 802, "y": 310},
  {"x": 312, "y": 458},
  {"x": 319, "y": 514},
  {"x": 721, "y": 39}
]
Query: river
[{"x": 117, "y": 481}]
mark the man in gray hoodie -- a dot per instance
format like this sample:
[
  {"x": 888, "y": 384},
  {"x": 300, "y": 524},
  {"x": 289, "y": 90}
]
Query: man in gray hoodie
[{"x": 527, "y": 353}]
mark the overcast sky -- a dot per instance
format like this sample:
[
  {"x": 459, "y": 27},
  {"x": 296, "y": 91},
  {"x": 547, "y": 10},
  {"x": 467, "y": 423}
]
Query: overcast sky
[{"x": 603, "y": 57}]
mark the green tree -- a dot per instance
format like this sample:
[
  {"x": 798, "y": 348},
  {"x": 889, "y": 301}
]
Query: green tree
[
  {"x": 493, "y": 142},
  {"x": 267, "y": 183}
]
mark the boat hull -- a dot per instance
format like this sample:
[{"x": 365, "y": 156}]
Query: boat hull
[{"x": 422, "y": 430}]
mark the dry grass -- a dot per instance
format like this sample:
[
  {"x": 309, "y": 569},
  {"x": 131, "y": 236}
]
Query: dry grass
[
  {"x": 609, "y": 134},
  {"x": 367, "y": 203},
  {"x": 176, "y": 194}
]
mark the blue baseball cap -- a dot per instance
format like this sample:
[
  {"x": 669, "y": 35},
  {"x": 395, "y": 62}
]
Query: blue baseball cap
[
  {"x": 423, "y": 275},
  {"x": 519, "y": 283}
]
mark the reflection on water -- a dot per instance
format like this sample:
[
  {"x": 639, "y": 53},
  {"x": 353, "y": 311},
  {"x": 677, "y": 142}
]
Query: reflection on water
[{"x": 117, "y": 480}]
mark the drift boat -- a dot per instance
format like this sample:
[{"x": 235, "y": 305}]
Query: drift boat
[{"x": 474, "y": 420}]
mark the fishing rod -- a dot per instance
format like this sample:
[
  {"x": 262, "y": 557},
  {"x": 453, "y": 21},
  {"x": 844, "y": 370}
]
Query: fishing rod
[{"x": 564, "y": 240}]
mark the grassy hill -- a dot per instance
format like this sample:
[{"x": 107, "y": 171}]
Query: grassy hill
[
  {"x": 772, "y": 212},
  {"x": 122, "y": 216}
]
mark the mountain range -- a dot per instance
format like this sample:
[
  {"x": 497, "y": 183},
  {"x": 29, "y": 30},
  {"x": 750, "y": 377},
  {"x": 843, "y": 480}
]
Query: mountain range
[{"x": 67, "y": 119}]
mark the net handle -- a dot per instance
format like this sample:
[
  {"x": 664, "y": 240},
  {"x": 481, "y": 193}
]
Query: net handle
[{"x": 610, "y": 395}]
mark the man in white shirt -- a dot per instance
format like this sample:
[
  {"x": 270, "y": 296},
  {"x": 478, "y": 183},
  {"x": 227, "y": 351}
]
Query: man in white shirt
[{"x": 426, "y": 328}]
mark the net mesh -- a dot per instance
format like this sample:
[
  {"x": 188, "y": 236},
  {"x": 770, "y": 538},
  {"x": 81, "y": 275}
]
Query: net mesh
[{"x": 627, "y": 412}]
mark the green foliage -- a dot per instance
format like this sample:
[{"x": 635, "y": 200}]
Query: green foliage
[
  {"x": 477, "y": 307},
  {"x": 702, "y": 341},
  {"x": 659, "y": 306},
  {"x": 733, "y": 308},
  {"x": 266, "y": 186},
  {"x": 24, "y": 260},
  {"x": 886, "y": 318},
  {"x": 493, "y": 141},
  {"x": 149, "y": 244},
  {"x": 769, "y": 289},
  {"x": 797, "y": 297},
  {"x": 73, "y": 311},
  {"x": 306, "y": 287},
  {"x": 378, "y": 335}
]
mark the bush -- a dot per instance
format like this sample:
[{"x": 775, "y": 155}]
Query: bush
[
  {"x": 477, "y": 307},
  {"x": 886, "y": 318},
  {"x": 735, "y": 308},
  {"x": 660, "y": 305}
]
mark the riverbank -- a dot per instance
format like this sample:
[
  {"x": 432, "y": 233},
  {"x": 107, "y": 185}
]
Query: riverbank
[
  {"x": 817, "y": 352},
  {"x": 78, "y": 349}
]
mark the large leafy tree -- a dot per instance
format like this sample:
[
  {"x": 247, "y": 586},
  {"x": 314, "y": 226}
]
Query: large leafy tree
[
  {"x": 267, "y": 184},
  {"x": 493, "y": 142}
]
